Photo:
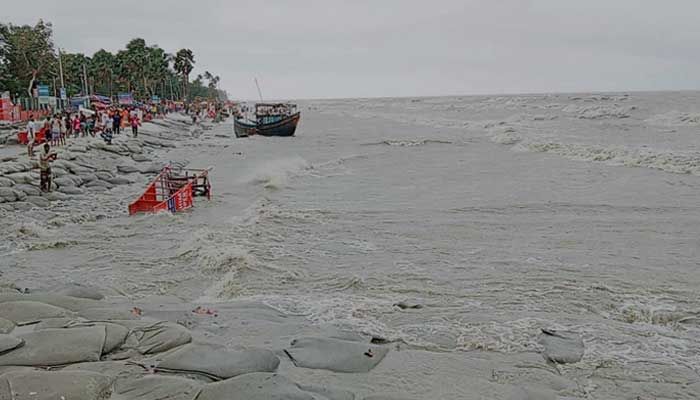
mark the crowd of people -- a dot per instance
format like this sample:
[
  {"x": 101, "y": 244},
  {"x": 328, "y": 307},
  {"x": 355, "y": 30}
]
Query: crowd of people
[
  {"x": 105, "y": 123},
  {"x": 60, "y": 127}
]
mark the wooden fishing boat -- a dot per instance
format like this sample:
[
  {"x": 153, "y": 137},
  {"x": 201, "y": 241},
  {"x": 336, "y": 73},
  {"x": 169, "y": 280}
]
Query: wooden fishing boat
[
  {"x": 173, "y": 192},
  {"x": 279, "y": 119}
]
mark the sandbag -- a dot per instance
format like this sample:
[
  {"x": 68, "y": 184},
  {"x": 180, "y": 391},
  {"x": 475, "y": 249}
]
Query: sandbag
[
  {"x": 6, "y": 326},
  {"x": 67, "y": 302},
  {"x": 328, "y": 393},
  {"x": 29, "y": 312},
  {"x": 256, "y": 386},
  {"x": 77, "y": 290},
  {"x": 9, "y": 343},
  {"x": 117, "y": 370},
  {"x": 216, "y": 361},
  {"x": 335, "y": 355},
  {"x": 115, "y": 334},
  {"x": 155, "y": 387},
  {"x": 385, "y": 397},
  {"x": 157, "y": 337},
  {"x": 561, "y": 347},
  {"x": 107, "y": 314},
  {"x": 43, "y": 385},
  {"x": 53, "y": 347}
]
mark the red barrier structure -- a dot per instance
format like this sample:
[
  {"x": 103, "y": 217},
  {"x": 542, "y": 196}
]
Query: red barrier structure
[{"x": 172, "y": 192}]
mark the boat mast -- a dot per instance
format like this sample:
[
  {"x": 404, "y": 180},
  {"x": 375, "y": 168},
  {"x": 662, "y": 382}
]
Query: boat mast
[{"x": 259, "y": 92}]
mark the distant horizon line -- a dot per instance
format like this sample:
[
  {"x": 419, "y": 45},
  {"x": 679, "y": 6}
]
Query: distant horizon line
[{"x": 618, "y": 92}]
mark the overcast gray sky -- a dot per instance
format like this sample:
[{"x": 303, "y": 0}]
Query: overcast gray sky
[{"x": 363, "y": 48}]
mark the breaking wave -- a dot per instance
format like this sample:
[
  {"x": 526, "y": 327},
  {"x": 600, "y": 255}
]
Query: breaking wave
[
  {"x": 673, "y": 162},
  {"x": 600, "y": 111},
  {"x": 408, "y": 142},
  {"x": 675, "y": 118},
  {"x": 275, "y": 174}
]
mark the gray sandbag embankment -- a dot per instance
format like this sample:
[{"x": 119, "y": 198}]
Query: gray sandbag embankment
[
  {"x": 255, "y": 386},
  {"x": 335, "y": 355},
  {"x": 53, "y": 347},
  {"x": 151, "y": 337},
  {"x": 6, "y": 326},
  {"x": 328, "y": 392},
  {"x": 67, "y": 302},
  {"x": 115, "y": 335},
  {"x": 215, "y": 361},
  {"x": 9, "y": 343},
  {"x": 43, "y": 385},
  {"x": 561, "y": 347},
  {"x": 30, "y": 312},
  {"x": 77, "y": 290},
  {"x": 155, "y": 387}
]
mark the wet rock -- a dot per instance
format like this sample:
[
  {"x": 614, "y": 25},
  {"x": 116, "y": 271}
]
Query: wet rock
[
  {"x": 127, "y": 169},
  {"x": 77, "y": 290},
  {"x": 215, "y": 361},
  {"x": 159, "y": 387},
  {"x": 38, "y": 201},
  {"x": 561, "y": 347},
  {"x": 29, "y": 190},
  {"x": 53, "y": 347},
  {"x": 6, "y": 326},
  {"x": 9, "y": 343},
  {"x": 335, "y": 355},
  {"x": 29, "y": 312},
  {"x": 256, "y": 386},
  {"x": 45, "y": 385}
]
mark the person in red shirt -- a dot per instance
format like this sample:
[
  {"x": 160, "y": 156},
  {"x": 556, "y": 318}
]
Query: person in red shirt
[{"x": 135, "y": 125}]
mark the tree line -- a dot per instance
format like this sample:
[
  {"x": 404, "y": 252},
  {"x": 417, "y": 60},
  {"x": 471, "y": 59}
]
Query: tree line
[{"x": 28, "y": 57}]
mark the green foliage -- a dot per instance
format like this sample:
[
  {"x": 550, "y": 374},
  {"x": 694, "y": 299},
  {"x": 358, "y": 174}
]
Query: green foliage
[{"x": 27, "y": 56}]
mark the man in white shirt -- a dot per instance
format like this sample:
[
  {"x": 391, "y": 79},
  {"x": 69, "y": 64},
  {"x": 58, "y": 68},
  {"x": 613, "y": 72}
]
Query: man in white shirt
[{"x": 31, "y": 136}]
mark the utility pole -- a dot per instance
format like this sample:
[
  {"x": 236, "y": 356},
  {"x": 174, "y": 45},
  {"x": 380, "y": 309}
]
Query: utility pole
[
  {"x": 85, "y": 81},
  {"x": 60, "y": 68}
]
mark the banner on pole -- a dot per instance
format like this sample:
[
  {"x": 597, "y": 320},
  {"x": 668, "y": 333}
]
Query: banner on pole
[{"x": 126, "y": 99}]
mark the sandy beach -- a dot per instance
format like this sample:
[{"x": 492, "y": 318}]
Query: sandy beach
[{"x": 526, "y": 247}]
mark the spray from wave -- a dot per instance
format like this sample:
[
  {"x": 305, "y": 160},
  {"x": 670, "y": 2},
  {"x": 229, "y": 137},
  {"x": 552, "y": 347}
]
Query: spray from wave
[{"x": 276, "y": 174}]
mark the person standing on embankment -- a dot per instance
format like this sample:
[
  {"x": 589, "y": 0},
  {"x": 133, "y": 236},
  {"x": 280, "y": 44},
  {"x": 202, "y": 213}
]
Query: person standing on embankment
[
  {"x": 46, "y": 157},
  {"x": 31, "y": 136}
]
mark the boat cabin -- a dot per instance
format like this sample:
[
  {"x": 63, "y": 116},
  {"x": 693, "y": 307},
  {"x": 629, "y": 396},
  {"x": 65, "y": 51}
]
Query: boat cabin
[{"x": 269, "y": 113}]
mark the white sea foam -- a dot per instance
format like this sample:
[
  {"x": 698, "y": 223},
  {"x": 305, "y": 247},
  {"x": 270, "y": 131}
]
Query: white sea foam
[{"x": 674, "y": 162}]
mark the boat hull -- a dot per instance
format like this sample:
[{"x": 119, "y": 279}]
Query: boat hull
[{"x": 284, "y": 127}]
